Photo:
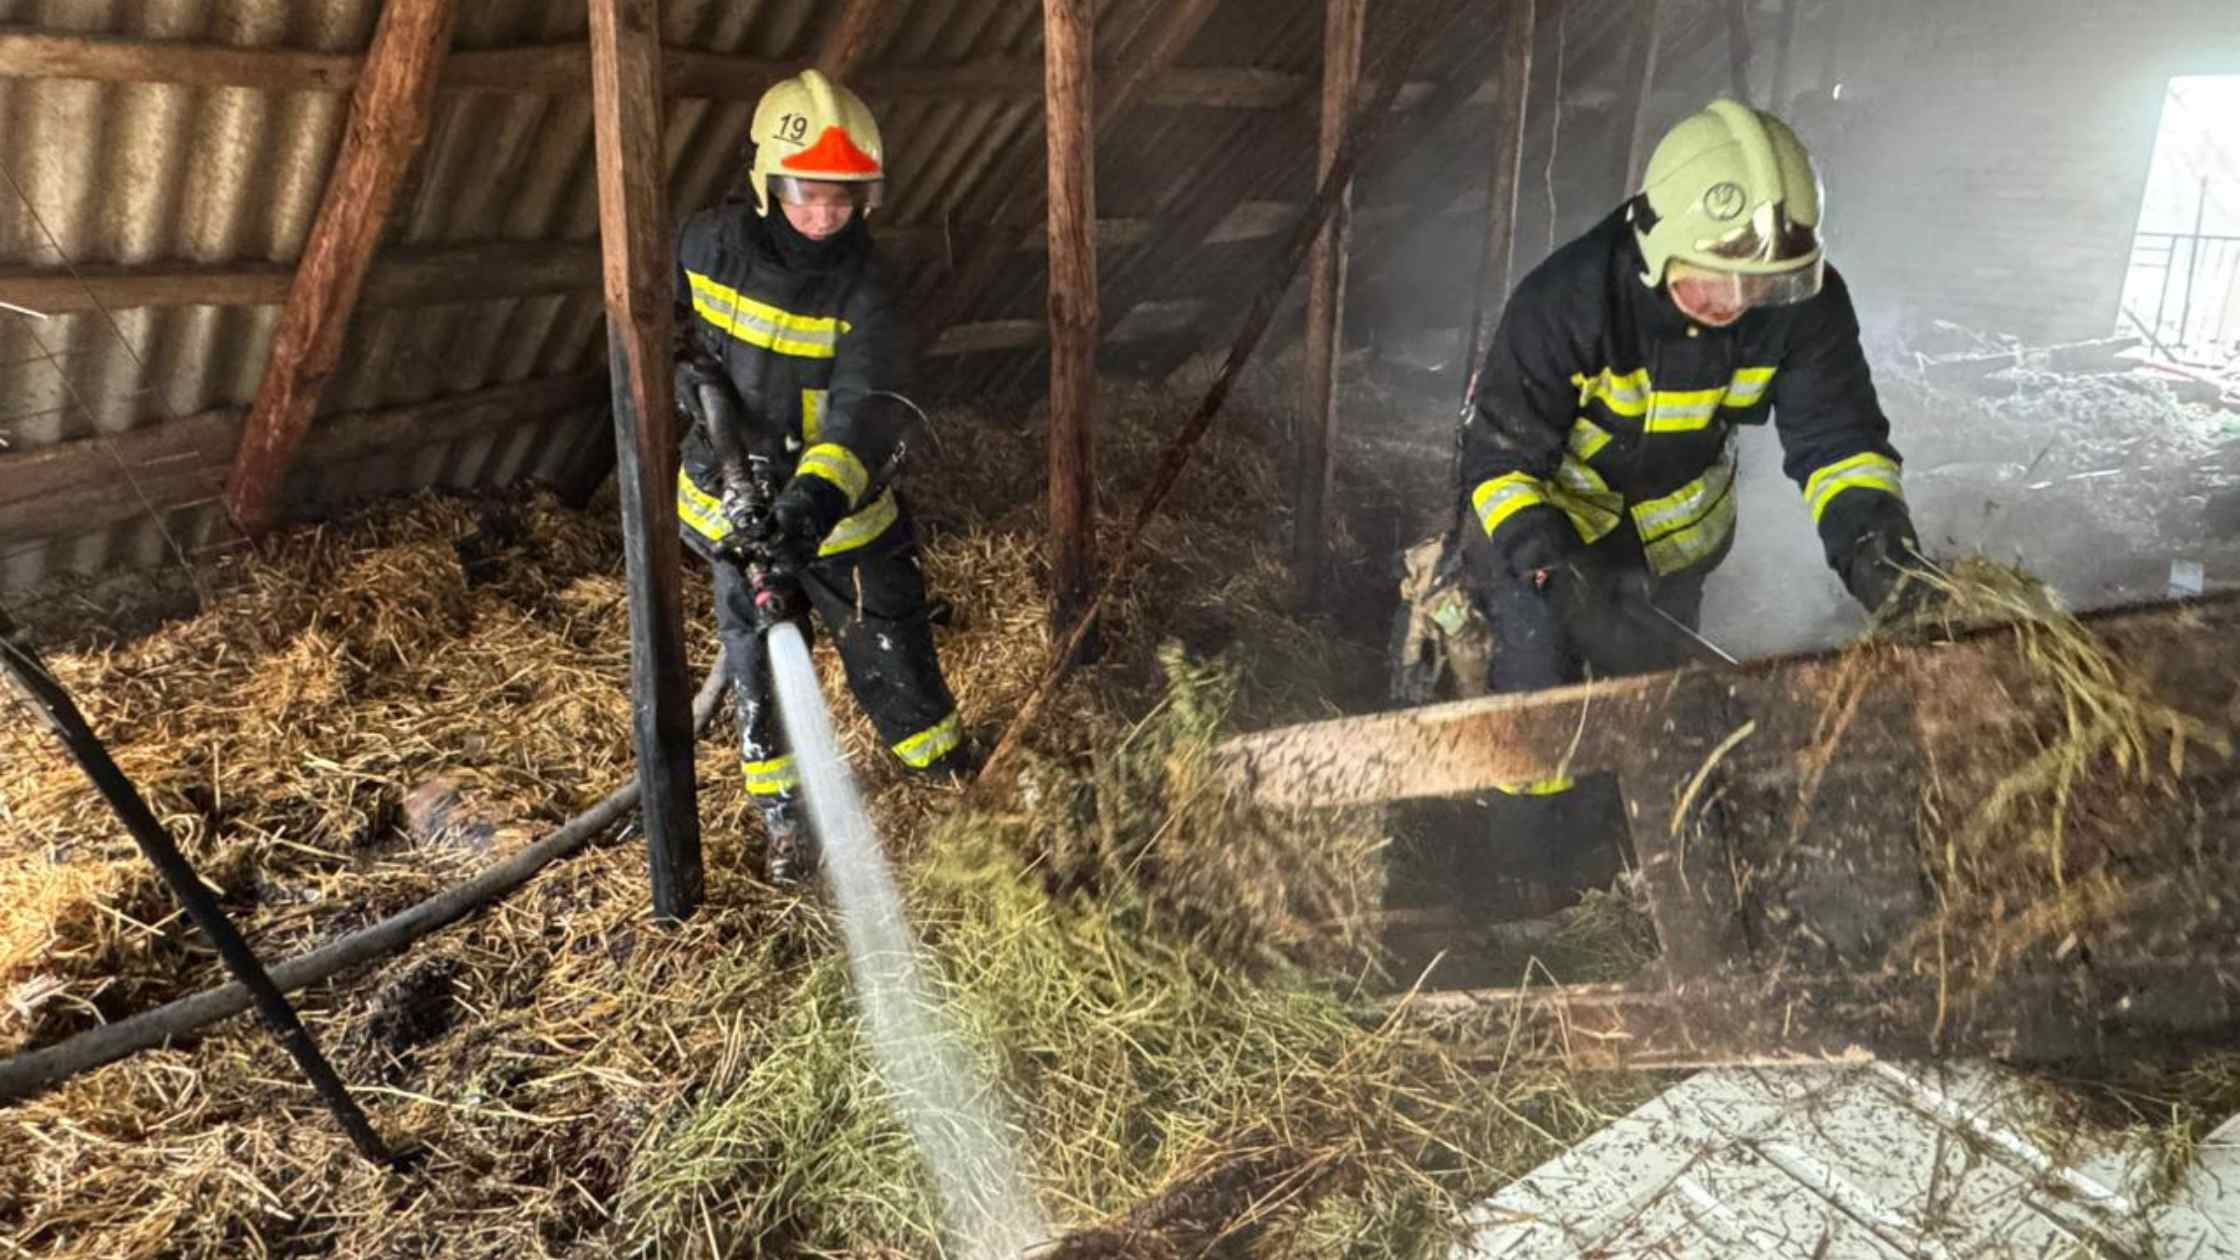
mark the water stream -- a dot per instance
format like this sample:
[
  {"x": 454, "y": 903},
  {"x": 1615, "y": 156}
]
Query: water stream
[{"x": 947, "y": 1104}]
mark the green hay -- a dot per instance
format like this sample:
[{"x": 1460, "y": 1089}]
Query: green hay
[{"x": 1147, "y": 1028}]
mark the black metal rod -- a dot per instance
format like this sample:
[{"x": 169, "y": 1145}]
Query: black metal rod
[
  {"x": 48, "y": 696},
  {"x": 34, "y": 1070}
]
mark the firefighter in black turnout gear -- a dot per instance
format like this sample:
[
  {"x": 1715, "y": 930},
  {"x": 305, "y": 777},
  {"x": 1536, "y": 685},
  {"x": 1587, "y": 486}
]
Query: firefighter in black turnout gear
[
  {"x": 791, "y": 371},
  {"x": 1597, "y": 456}
]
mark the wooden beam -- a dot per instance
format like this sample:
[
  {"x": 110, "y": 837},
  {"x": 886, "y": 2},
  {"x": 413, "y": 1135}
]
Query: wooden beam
[
  {"x": 71, "y": 488},
  {"x": 1343, "y": 24},
  {"x": 1504, "y": 183},
  {"x": 634, "y": 241},
  {"x": 493, "y": 270},
  {"x": 1068, "y": 38},
  {"x": 1364, "y": 129},
  {"x": 388, "y": 119},
  {"x": 1159, "y": 40},
  {"x": 1151, "y": 321},
  {"x": 2158, "y": 1010},
  {"x": 564, "y": 69},
  {"x": 43, "y": 55},
  {"x": 1637, "y": 84},
  {"x": 861, "y": 26},
  {"x": 1186, "y": 223},
  {"x": 1471, "y": 745}
]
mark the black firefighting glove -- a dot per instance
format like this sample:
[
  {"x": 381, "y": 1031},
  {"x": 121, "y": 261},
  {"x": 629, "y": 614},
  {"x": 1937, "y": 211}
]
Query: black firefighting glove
[
  {"x": 1533, "y": 545},
  {"x": 1887, "y": 574},
  {"x": 805, "y": 512}
]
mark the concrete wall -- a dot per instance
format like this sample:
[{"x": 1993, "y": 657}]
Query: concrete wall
[{"x": 1986, "y": 161}]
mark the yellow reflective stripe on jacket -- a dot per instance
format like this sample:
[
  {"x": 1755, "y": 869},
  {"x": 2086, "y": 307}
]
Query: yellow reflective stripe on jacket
[
  {"x": 1539, "y": 787},
  {"x": 1635, "y": 397},
  {"x": 931, "y": 744},
  {"x": 1505, "y": 496},
  {"x": 764, "y": 325},
  {"x": 774, "y": 777},
  {"x": 700, "y": 510},
  {"x": 1748, "y": 388},
  {"x": 864, "y": 527},
  {"x": 1682, "y": 410},
  {"x": 1690, "y": 524},
  {"x": 1594, "y": 508},
  {"x": 1860, "y": 472},
  {"x": 813, "y": 405},
  {"x": 1587, "y": 439},
  {"x": 838, "y": 465},
  {"x": 1626, "y": 395}
]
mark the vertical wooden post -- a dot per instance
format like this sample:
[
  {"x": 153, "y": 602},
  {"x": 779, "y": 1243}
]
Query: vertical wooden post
[
  {"x": 1164, "y": 33},
  {"x": 1067, "y": 45},
  {"x": 389, "y": 113},
  {"x": 852, "y": 34},
  {"x": 1503, "y": 183},
  {"x": 634, "y": 242},
  {"x": 1639, "y": 86},
  {"x": 1315, "y": 444}
]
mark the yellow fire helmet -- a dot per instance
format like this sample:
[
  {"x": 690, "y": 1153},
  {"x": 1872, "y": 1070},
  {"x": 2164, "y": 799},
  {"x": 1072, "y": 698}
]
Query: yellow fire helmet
[
  {"x": 809, "y": 129},
  {"x": 1732, "y": 193}
]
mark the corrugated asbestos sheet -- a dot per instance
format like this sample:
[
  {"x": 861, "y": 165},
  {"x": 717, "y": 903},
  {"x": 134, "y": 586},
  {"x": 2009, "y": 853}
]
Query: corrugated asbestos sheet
[
  {"x": 194, "y": 177},
  {"x": 1881, "y": 1162}
]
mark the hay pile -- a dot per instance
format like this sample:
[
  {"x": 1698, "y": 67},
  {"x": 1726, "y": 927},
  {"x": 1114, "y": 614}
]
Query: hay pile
[
  {"x": 2102, "y": 824},
  {"x": 1145, "y": 965}
]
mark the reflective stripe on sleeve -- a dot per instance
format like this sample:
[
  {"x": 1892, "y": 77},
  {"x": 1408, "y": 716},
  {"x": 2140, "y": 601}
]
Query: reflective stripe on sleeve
[
  {"x": 774, "y": 777},
  {"x": 1868, "y": 471},
  {"x": 864, "y": 527},
  {"x": 700, "y": 510},
  {"x": 838, "y": 465},
  {"x": 1690, "y": 524},
  {"x": 1749, "y": 386},
  {"x": 1626, "y": 395},
  {"x": 1587, "y": 438},
  {"x": 1594, "y": 508},
  {"x": 813, "y": 405},
  {"x": 1504, "y": 496}
]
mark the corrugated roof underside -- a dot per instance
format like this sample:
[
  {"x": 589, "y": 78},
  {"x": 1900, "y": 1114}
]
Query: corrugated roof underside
[{"x": 134, "y": 174}]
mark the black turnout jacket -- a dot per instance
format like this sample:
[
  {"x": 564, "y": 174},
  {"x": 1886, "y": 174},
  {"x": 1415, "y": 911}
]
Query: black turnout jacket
[
  {"x": 1603, "y": 412},
  {"x": 816, "y": 354}
]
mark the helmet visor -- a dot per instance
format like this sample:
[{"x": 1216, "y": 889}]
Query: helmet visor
[
  {"x": 795, "y": 190},
  {"x": 1720, "y": 289},
  {"x": 1768, "y": 238}
]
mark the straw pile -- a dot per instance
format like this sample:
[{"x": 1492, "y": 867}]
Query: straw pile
[
  {"x": 1141, "y": 961},
  {"x": 2074, "y": 833}
]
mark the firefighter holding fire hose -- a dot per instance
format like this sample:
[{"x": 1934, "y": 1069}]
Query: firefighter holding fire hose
[
  {"x": 791, "y": 372},
  {"x": 1597, "y": 454}
]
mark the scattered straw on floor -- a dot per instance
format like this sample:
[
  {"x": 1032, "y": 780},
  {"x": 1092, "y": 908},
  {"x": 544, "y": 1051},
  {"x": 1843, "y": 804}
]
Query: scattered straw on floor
[{"x": 1139, "y": 958}]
